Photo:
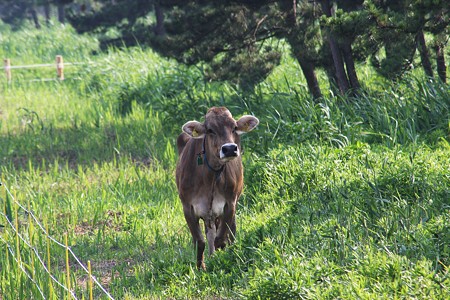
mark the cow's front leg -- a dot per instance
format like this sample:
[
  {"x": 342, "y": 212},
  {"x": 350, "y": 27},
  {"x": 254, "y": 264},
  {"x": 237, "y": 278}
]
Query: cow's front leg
[
  {"x": 227, "y": 224},
  {"x": 197, "y": 236}
]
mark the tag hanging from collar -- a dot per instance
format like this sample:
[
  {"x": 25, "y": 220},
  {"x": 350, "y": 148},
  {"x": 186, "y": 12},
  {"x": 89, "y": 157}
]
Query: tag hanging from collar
[{"x": 199, "y": 159}]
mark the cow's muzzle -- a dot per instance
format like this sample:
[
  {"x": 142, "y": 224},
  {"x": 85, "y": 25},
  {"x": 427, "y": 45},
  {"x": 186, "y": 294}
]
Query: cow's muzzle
[{"x": 229, "y": 151}]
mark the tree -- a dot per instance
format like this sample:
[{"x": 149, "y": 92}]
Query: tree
[
  {"x": 34, "y": 15},
  {"x": 15, "y": 12},
  {"x": 127, "y": 18},
  {"x": 239, "y": 40},
  {"x": 236, "y": 40},
  {"x": 424, "y": 54},
  {"x": 341, "y": 76},
  {"x": 232, "y": 39},
  {"x": 401, "y": 28},
  {"x": 303, "y": 35},
  {"x": 352, "y": 21},
  {"x": 437, "y": 24}
]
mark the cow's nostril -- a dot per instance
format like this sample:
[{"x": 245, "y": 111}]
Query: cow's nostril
[{"x": 230, "y": 150}]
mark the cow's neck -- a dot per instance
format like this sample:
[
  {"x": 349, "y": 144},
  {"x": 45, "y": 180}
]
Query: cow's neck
[{"x": 218, "y": 171}]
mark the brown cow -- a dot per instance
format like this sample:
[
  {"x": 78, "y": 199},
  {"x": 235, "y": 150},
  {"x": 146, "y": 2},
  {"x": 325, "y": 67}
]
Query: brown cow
[{"x": 210, "y": 176}]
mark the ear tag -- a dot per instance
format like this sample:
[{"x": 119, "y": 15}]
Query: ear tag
[
  {"x": 194, "y": 133},
  {"x": 199, "y": 160}
]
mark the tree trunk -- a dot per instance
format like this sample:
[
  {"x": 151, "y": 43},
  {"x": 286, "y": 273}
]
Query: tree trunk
[
  {"x": 61, "y": 13},
  {"x": 47, "y": 12},
  {"x": 311, "y": 78},
  {"x": 332, "y": 80},
  {"x": 341, "y": 76},
  {"x": 159, "y": 13},
  {"x": 328, "y": 64},
  {"x": 350, "y": 64},
  {"x": 34, "y": 15},
  {"x": 440, "y": 61},
  {"x": 298, "y": 47},
  {"x": 424, "y": 55}
]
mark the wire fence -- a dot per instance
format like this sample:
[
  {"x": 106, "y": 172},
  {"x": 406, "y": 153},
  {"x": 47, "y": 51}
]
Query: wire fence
[
  {"x": 12, "y": 231},
  {"x": 59, "y": 66}
]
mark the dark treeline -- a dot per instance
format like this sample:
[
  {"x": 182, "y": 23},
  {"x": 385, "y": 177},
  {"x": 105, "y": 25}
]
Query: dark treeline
[
  {"x": 239, "y": 41},
  {"x": 15, "y": 12}
]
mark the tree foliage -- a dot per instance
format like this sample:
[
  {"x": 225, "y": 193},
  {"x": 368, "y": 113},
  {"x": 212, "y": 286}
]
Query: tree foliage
[
  {"x": 16, "y": 12},
  {"x": 399, "y": 24},
  {"x": 242, "y": 41},
  {"x": 120, "y": 22}
]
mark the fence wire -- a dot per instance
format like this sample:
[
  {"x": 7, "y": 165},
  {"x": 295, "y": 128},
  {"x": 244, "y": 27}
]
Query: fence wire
[
  {"x": 44, "y": 65},
  {"x": 59, "y": 65},
  {"x": 41, "y": 261},
  {"x": 11, "y": 251},
  {"x": 37, "y": 255}
]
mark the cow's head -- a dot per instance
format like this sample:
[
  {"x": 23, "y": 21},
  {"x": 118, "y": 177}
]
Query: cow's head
[{"x": 221, "y": 133}]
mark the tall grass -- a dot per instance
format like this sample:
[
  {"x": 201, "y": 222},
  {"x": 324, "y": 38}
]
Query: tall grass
[
  {"x": 347, "y": 197},
  {"x": 405, "y": 112},
  {"x": 31, "y": 46},
  {"x": 34, "y": 47}
]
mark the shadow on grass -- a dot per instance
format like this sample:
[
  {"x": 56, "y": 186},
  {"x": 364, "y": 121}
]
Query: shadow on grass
[
  {"x": 326, "y": 234},
  {"x": 82, "y": 145},
  {"x": 336, "y": 220}
]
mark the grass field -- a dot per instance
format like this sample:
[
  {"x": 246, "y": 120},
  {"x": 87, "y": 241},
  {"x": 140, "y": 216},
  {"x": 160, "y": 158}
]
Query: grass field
[{"x": 348, "y": 198}]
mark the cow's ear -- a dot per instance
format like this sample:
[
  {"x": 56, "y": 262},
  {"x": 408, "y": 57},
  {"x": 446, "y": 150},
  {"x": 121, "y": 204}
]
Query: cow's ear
[
  {"x": 194, "y": 129},
  {"x": 246, "y": 123}
]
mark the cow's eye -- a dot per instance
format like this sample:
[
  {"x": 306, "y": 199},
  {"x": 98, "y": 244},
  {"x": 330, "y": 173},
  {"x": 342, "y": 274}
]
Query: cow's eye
[
  {"x": 234, "y": 129},
  {"x": 210, "y": 131}
]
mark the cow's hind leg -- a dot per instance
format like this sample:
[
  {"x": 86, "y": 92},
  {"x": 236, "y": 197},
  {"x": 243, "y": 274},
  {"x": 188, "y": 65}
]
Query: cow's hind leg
[
  {"x": 210, "y": 228},
  {"x": 232, "y": 233},
  {"x": 197, "y": 236}
]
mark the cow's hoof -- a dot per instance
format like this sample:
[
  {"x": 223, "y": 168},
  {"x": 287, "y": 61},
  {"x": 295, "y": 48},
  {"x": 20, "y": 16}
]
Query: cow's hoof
[
  {"x": 201, "y": 266},
  {"x": 219, "y": 243}
]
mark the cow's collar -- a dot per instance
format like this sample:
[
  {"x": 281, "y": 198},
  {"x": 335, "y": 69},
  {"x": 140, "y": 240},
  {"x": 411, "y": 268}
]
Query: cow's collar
[{"x": 218, "y": 172}]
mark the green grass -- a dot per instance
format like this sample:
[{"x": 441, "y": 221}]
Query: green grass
[{"x": 347, "y": 198}]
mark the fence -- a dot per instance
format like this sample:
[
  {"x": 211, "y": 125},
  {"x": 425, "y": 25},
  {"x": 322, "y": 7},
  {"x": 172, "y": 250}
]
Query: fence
[
  {"x": 16, "y": 240},
  {"x": 59, "y": 66}
]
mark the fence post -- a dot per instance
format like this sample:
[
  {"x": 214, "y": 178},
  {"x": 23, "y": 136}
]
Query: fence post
[
  {"x": 7, "y": 64},
  {"x": 60, "y": 67},
  {"x": 67, "y": 266},
  {"x": 90, "y": 280},
  {"x": 50, "y": 284}
]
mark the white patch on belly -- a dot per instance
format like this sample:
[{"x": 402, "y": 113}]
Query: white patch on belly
[
  {"x": 204, "y": 209},
  {"x": 200, "y": 209},
  {"x": 218, "y": 205}
]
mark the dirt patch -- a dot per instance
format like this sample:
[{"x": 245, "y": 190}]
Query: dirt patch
[
  {"x": 112, "y": 222},
  {"x": 104, "y": 272}
]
